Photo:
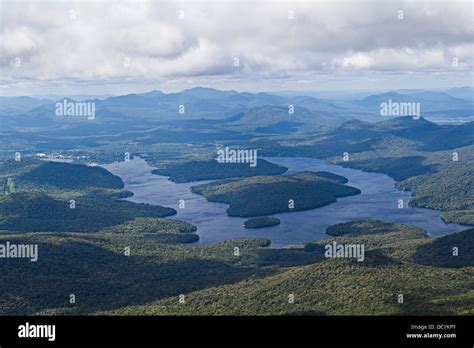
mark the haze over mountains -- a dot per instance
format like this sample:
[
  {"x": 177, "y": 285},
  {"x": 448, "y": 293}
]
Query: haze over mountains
[{"x": 241, "y": 111}]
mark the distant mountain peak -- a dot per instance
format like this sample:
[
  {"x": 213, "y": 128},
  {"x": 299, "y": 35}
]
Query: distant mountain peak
[
  {"x": 354, "y": 124},
  {"x": 208, "y": 92},
  {"x": 153, "y": 93},
  {"x": 382, "y": 96},
  {"x": 407, "y": 122},
  {"x": 198, "y": 88}
]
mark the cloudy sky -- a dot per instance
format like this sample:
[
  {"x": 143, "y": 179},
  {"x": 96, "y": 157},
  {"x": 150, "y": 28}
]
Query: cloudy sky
[{"x": 118, "y": 47}]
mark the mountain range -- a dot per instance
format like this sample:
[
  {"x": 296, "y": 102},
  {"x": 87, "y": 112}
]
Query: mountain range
[{"x": 209, "y": 103}]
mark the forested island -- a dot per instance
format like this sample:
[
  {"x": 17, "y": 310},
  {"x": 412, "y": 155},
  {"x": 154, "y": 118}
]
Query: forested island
[
  {"x": 263, "y": 221},
  {"x": 266, "y": 195},
  {"x": 213, "y": 170},
  {"x": 366, "y": 227}
]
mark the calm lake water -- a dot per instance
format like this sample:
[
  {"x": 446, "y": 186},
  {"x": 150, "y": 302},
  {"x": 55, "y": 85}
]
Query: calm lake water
[{"x": 379, "y": 200}]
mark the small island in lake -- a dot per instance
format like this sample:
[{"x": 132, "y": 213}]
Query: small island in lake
[{"x": 263, "y": 221}]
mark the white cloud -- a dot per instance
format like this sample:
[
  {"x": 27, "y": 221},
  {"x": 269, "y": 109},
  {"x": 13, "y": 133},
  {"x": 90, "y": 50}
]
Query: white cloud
[{"x": 96, "y": 39}]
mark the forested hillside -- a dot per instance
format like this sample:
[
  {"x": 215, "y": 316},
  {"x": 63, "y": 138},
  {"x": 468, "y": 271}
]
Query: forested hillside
[
  {"x": 47, "y": 196},
  {"x": 396, "y": 264}
]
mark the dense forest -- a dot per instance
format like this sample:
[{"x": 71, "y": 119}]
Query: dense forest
[
  {"x": 143, "y": 267},
  {"x": 119, "y": 257}
]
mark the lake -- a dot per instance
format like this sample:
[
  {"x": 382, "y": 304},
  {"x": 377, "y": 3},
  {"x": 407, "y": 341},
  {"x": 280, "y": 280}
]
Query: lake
[{"x": 379, "y": 200}]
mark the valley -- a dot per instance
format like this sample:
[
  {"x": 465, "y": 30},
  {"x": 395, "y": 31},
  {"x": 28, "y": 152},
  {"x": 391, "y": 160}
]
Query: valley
[{"x": 143, "y": 214}]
